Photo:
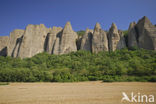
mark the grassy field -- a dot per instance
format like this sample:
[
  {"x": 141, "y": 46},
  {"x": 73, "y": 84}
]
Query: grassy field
[
  {"x": 4, "y": 83},
  {"x": 71, "y": 93}
]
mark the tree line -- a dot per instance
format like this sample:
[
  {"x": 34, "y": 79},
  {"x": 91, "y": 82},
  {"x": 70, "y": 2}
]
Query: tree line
[{"x": 121, "y": 65}]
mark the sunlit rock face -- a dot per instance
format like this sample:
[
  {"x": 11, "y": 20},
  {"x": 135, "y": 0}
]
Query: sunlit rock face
[
  {"x": 52, "y": 41},
  {"x": 146, "y": 34},
  {"x": 15, "y": 39},
  {"x": 115, "y": 38},
  {"x": 99, "y": 39},
  {"x": 142, "y": 34},
  {"x": 67, "y": 40},
  {"x": 56, "y": 40},
  {"x": 132, "y": 35},
  {"x": 33, "y": 41},
  {"x": 86, "y": 42}
]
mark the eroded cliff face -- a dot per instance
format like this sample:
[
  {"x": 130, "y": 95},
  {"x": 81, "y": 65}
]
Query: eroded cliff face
[
  {"x": 15, "y": 40},
  {"x": 63, "y": 41},
  {"x": 142, "y": 34},
  {"x": 116, "y": 38},
  {"x": 99, "y": 40},
  {"x": 3, "y": 45},
  {"x": 68, "y": 40},
  {"x": 52, "y": 40},
  {"x": 33, "y": 40},
  {"x": 132, "y": 35},
  {"x": 37, "y": 38},
  {"x": 121, "y": 43},
  {"x": 86, "y": 42},
  {"x": 147, "y": 34}
]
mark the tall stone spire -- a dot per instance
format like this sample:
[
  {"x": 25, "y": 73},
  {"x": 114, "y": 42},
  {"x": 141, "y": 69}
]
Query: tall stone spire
[{"x": 99, "y": 40}]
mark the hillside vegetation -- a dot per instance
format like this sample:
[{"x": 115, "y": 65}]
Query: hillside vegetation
[{"x": 121, "y": 65}]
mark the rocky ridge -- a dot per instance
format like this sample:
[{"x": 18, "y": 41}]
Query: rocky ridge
[
  {"x": 56, "y": 40},
  {"x": 142, "y": 34}
]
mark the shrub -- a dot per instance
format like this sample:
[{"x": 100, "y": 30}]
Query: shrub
[{"x": 120, "y": 65}]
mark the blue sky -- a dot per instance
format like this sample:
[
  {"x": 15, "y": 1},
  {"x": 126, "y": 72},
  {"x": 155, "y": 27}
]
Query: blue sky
[{"x": 17, "y": 14}]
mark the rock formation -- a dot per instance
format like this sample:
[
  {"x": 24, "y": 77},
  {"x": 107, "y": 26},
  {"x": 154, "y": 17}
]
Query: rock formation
[
  {"x": 15, "y": 39},
  {"x": 86, "y": 42},
  {"x": 99, "y": 40},
  {"x": 113, "y": 37},
  {"x": 78, "y": 42},
  {"x": 132, "y": 35},
  {"x": 3, "y": 45},
  {"x": 33, "y": 40},
  {"x": 37, "y": 38},
  {"x": 56, "y": 49},
  {"x": 122, "y": 43},
  {"x": 67, "y": 40},
  {"x": 62, "y": 41},
  {"x": 55, "y": 32},
  {"x": 147, "y": 34},
  {"x": 142, "y": 34}
]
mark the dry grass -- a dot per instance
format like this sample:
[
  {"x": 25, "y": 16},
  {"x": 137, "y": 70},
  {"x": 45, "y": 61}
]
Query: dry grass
[
  {"x": 4, "y": 83},
  {"x": 71, "y": 93}
]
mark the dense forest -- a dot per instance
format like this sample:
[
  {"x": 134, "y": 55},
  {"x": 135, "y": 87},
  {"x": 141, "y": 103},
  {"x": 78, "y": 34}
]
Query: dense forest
[{"x": 121, "y": 65}]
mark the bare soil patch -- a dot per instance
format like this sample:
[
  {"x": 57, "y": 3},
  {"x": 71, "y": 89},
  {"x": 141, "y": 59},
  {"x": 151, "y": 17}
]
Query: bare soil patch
[{"x": 72, "y": 93}]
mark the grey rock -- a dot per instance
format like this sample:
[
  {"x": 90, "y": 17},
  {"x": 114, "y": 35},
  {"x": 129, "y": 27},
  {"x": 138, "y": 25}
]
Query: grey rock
[
  {"x": 3, "y": 45},
  {"x": 37, "y": 38},
  {"x": 86, "y": 42},
  {"x": 132, "y": 35},
  {"x": 99, "y": 40},
  {"x": 122, "y": 43},
  {"x": 146, "y": 34},
  {"x": 113, "y": 37},
  {"x": 68, "y": 40},
  {"x": 51, "y": 38},
  {"x": 56, "y": 49},
  {"x": 33, "y": 41},
  {"x": 14, "y": 42},
  {"x": 78, "y": 42}
]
